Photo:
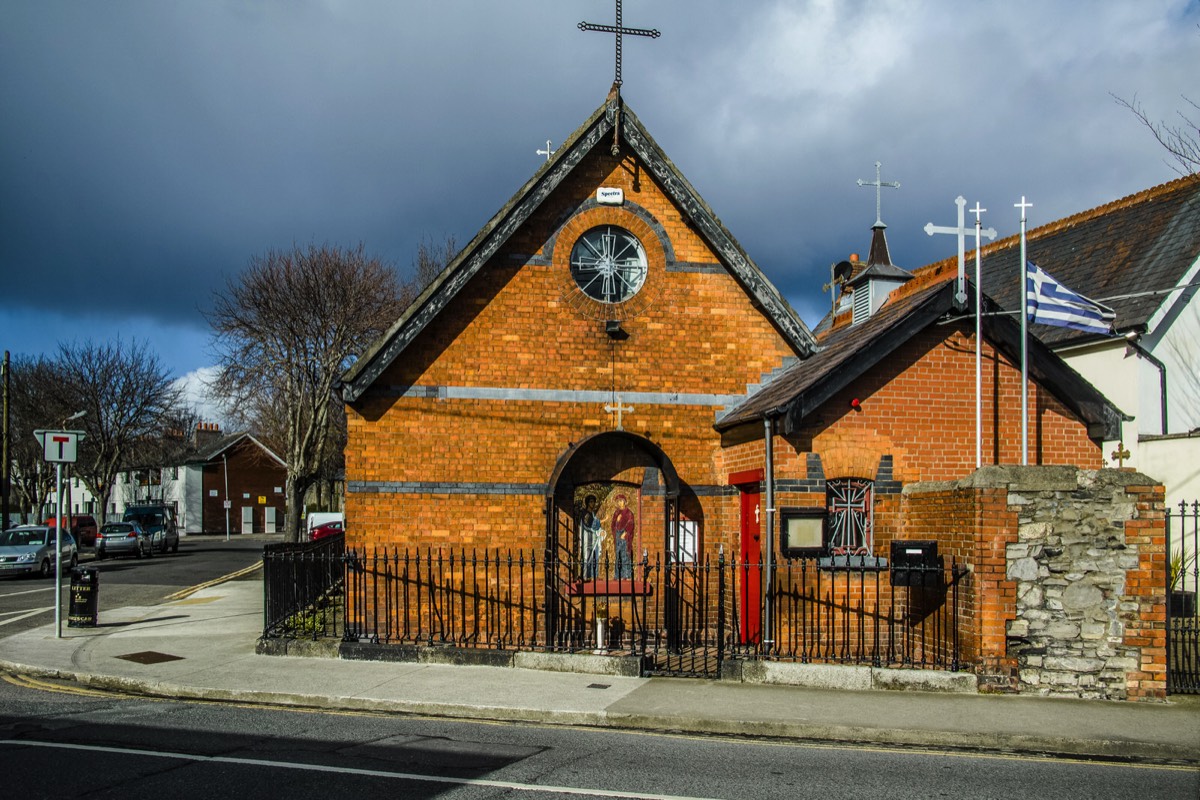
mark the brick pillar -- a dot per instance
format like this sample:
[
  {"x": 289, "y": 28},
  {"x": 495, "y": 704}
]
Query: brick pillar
[
  {"x": 996, "y": 595},
  {"x": 1146, "y": 627}
]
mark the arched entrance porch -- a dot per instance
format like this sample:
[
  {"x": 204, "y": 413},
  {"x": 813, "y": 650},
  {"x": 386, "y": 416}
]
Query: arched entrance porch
[{"x": 612, "y": 505}]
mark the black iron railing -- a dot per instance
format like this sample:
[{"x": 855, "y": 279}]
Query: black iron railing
[
  {"x": 1183, "y": 582},
  {"x": 303, "y": 588},
  {"x": 679, "y": 618}
]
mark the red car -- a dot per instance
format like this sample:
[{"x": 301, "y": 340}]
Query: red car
[
  {"x": 326, "y": 530},
  {"x": 83, "y": 527}
]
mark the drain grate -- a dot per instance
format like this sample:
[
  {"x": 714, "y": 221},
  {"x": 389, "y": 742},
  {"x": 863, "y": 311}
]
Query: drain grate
[
  {"x": 599, "y": 685},
  {"x": 150, "y": 657}
]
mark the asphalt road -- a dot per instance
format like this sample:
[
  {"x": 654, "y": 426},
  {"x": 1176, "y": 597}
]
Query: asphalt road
[
  {"x": 28, "y": 602},
  {"x": 63, "y": 741}
]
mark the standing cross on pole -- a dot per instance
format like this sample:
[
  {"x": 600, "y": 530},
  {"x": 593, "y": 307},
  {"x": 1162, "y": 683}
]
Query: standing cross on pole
[
  {"x": 960, "y": 294},
  {"x": 619, "y": 30},
  {"x": 990, "y": 233},
  {"x": 879, "y": 184},
  {"x": 1024, "y": 300}
]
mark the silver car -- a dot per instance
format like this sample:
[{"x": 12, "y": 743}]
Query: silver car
[
  {"x": 30, "y": 548},
  {"x": 123, "y": 539}
]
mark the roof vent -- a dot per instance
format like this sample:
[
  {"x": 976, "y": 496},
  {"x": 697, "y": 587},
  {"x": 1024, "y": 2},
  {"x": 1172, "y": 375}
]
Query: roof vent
[{"x": 862, "y": 302}]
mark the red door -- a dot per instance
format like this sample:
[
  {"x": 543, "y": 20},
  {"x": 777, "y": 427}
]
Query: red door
[{"x": 749, "y": 573}]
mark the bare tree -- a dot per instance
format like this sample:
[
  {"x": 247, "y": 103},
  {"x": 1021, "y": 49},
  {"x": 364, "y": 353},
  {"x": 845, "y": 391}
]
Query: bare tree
[
  {"x": 285, "y": 330},
  {"x": 35, "y": 404},
  {"x": 157, "y": 458},
  {"x": 432, "y": 257},
  {"x": 1181, "y": 141},
  {"x": 130, "y": 402}
]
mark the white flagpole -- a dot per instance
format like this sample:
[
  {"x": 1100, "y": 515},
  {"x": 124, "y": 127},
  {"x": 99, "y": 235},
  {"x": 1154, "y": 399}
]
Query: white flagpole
[
  {"x": 1024, "y": 340},
  {"x": 990, "y": 233}
]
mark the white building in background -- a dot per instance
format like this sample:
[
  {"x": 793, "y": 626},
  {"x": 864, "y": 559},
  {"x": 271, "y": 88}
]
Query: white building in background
[
  {"x": 232, "y": 480},
  {"x": 1140, "y": 256}
]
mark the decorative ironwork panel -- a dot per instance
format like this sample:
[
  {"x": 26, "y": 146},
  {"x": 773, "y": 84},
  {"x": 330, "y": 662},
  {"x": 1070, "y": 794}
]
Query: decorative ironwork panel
[{"x": 851, "y": 516}]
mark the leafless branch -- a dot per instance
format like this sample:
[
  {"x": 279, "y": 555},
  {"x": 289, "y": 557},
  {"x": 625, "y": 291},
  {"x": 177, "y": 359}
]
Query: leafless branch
[
  {"x": 285, "y": 331},
  {"x": 1181, "y": 141}
]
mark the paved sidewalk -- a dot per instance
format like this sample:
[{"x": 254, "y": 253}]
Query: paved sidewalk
[{"x": 203, "y": 647}]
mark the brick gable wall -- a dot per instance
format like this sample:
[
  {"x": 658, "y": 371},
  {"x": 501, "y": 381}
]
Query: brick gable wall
[
  {"x": 916, "y": 423},
  {"x": 455, "y": 442},
  {"x": 252, "y": 476}
]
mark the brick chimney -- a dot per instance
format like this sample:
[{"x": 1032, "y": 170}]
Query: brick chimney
[{"x": 207, "y": 433}]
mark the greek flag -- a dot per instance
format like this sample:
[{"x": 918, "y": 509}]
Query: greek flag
[{"x": 1049, "y": 302}]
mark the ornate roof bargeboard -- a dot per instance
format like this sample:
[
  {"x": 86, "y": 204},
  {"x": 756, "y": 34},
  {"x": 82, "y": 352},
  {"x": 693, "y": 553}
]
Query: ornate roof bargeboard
[
  {"x": 750, "y": 276},
  {"x": 442, "y": 297}
]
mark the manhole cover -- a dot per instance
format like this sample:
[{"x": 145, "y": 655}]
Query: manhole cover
[{"x": 150, "y": 657}]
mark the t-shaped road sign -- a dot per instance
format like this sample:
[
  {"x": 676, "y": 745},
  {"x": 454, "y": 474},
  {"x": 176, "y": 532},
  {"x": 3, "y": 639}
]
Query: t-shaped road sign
[{"x": 59, "y": 447}]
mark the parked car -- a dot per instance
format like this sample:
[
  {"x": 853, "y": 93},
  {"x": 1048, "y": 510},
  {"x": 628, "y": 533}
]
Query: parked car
[
  {"x": 158, "y": 521},
  {"x": 328, "y": 529},
  {"x": 123, "y": 539},
  {"x": 318, "y": 518},
  {"x": 83, "y": 527},
  {"x": 30, "y": 548}
]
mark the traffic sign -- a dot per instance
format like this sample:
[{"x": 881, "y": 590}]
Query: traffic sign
[{"x": 59, "y": 447}]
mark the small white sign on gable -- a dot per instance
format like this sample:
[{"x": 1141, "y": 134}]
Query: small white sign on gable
[{"x": 610, "y": 196}]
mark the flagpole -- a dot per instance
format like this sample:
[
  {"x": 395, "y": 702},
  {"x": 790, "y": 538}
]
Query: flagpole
[
  {"x": 978, "y": 348},
  {"x": 1023, "y": 295}
]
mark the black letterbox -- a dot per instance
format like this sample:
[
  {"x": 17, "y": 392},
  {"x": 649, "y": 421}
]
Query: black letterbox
[{"x": 916, "y": 563}]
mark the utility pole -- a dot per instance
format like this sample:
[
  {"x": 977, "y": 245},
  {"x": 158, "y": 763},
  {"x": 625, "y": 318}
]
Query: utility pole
[{"x": 6, "y": 469}]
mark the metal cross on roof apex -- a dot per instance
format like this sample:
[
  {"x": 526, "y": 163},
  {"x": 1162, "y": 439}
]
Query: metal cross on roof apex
[
  {"x": 619, "y": 30},
  {"x": 879, "y": 184}
]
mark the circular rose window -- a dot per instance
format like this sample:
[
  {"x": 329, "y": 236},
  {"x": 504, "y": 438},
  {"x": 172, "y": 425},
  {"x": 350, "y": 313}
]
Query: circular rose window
[{"x": 608, "y": 264}]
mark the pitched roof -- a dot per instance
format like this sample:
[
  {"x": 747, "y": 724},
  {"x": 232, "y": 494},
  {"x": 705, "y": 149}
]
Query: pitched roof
[
  {"x": 223, "y": 445},
  {"x": 594, "y": 132},
  {"x": 850, "y": 351},
  {"x": 1126, "y": 254}
]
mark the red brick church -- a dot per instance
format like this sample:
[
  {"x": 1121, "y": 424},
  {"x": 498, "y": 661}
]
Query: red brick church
[
  {"x": 603, "y": 376},
  {"x": 605, "y": 334}
]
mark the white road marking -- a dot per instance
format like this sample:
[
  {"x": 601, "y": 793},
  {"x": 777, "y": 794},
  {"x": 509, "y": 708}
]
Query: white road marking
[
  {"x": 28, "y": 591},
  {"x": 370, "y": 773},
  {"x": 24, "y": 614}
]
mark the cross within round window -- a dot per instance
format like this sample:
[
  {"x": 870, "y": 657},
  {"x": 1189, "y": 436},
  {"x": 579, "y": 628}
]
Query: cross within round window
[{"x": 608, "y": 264}]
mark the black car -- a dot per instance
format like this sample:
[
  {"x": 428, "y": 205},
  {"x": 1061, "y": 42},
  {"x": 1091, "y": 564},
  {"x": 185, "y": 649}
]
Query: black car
[{"x": 158, "y": 521}]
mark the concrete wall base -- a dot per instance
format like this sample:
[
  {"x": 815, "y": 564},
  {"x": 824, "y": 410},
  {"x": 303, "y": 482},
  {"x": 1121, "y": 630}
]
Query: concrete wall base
[
  {"x": 817, "y": 676},
  {"x": 849, "y": 678}
]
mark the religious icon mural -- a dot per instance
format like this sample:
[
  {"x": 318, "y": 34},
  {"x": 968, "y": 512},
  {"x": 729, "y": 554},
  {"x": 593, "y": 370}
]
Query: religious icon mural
[{"x": 606, "y": 527}]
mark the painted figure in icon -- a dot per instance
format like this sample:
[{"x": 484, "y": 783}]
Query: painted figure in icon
[
  {"x": 622, "y": 532},
  {"x": 591, "y": 536}
]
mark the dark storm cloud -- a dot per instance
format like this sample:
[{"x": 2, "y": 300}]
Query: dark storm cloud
[{"x": 152, "y": 148}]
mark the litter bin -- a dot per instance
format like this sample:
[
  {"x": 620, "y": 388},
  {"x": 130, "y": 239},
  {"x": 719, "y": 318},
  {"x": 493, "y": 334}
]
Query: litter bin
[{"x": 85, "y": 598}]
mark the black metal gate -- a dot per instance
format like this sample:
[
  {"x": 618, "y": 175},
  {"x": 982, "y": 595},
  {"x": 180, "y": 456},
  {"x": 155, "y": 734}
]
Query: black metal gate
[
  {"x": 1183, "y": 581},
  {"x": 689, "y": 637}
]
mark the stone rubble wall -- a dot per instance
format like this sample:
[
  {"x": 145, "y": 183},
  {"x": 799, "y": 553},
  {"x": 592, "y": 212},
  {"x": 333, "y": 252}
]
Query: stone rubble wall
[
  {"x": 1066, "y": 595},
  {"x": 1081, "y": 600}
]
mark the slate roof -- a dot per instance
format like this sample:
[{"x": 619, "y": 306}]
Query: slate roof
[
  {"x": 214, "y": 450},
  {"x": 851, "y": 350},
  {"x": 1147, "y": 242},
  {"x": 596, "y": 131}
]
